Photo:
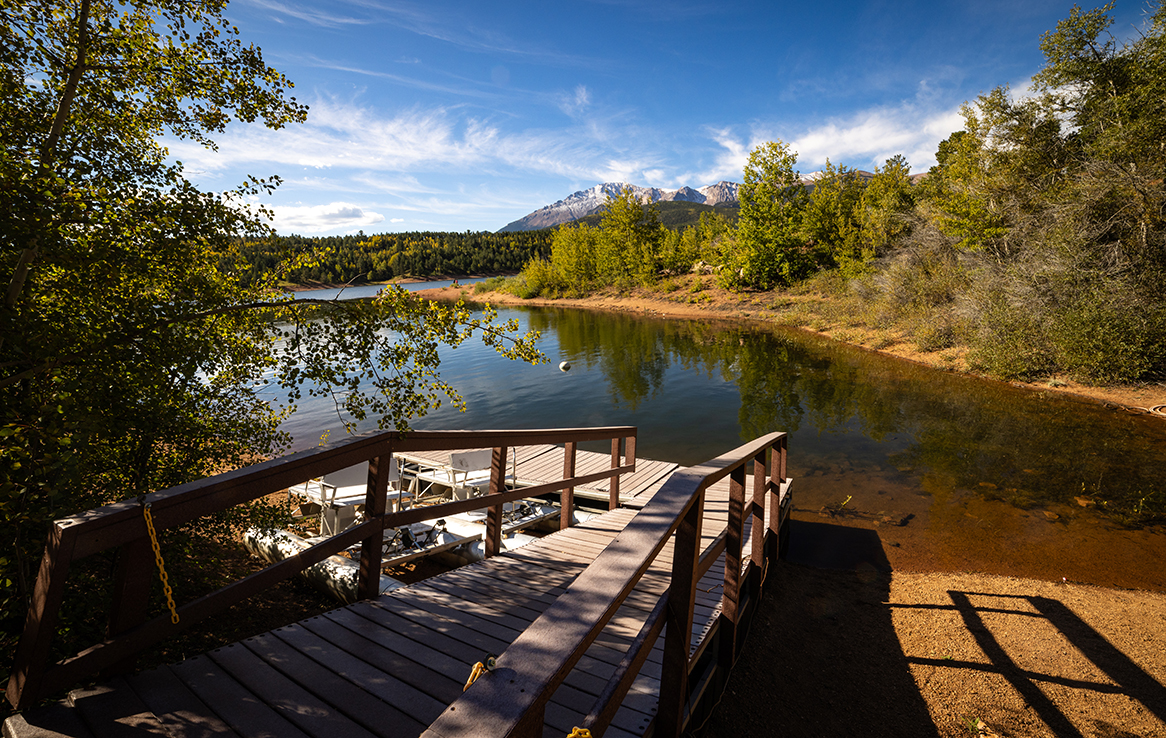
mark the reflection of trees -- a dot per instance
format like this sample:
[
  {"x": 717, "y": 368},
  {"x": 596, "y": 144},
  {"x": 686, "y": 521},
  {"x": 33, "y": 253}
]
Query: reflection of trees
[{"x": 973, "y": 431}]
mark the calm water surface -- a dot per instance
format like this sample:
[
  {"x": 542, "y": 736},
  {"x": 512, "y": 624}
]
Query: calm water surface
[{"x": 985, "y": 475}]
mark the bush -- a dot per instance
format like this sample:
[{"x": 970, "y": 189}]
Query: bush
[
  {"x": 538, "y": 277},
  {"x": 1008, "y": 341},
  {"x": 935, "y": 337},
  {"x": 493, "y": 284},
  {"x": 1105, "y": 341}
]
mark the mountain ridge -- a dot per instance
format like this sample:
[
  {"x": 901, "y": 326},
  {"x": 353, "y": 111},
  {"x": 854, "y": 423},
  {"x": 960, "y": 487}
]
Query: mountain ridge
[{"x": 587, "y": 202}]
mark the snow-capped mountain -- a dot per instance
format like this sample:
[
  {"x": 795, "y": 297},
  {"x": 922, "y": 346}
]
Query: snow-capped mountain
[{"x": 592, "y": 200}]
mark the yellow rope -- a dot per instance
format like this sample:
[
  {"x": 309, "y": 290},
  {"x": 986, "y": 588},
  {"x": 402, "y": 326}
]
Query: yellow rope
[{"x": 161, "y": 566}]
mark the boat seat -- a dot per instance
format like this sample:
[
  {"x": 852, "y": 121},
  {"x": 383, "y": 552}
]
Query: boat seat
[
  {"x": 472, "y": 468},
  {"x": 341, "y": 495}
]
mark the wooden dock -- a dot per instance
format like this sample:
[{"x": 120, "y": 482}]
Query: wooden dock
[{"x": 396, "y": 665}]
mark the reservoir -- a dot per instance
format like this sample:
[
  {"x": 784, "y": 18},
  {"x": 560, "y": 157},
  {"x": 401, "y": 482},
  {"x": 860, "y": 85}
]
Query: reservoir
[{"x": 948, "y": 472}]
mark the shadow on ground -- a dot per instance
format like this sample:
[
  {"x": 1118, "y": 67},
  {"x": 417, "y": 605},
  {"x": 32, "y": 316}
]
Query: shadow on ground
[{"x": 822, "y": 657}]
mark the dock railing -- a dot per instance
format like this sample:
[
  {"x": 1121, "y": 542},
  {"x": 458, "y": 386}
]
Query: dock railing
[
  {"x": 512, "y": 700},
  {"x": 124, "y": 526}
]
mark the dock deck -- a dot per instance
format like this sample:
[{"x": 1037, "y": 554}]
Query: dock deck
[{"x": 391, "y": 666}]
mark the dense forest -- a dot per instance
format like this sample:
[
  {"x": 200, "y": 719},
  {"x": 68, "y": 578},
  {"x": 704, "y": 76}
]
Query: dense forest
[
  {"x": 1037, "y": 242},
  {"x": 361, "y": 258},
  {"x": 343, "y": 259}
]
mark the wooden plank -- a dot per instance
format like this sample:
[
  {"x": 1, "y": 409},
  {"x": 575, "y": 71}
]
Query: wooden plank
[
  {"x": 183, "y": 714},
  {"x": 235, "y": 704},
  {"x": 302, "y": 708},
  {"x": 376, "y": 652},
  {"x": 468, "y": 640},
  {"x": 401, "y": 695},
  {"x": 453, "y": 668},
  {"x": 372, "y": 713},
  {"x": 113, "y": 710}
]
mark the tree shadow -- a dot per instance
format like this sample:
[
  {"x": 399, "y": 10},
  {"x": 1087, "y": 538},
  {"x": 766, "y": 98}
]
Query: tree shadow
[{"x": 822, "y": 657}]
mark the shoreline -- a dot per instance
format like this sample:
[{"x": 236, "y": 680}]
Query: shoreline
[
  {"x": 1144, "y": 399},
  {"x": 312, "y": 286}
]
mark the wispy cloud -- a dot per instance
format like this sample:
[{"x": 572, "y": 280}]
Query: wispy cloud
[
  {"x": 575, "y": 103},
  {"x": 311, "y": 14},
  {"x": 319, "y": 218},
  {"x": 445, "y": 25},
  {"x": 342, "y": 137}
]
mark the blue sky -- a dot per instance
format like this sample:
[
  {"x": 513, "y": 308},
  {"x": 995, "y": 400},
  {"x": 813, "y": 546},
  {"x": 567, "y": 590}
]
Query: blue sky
[{"x": 467, "y": 115}]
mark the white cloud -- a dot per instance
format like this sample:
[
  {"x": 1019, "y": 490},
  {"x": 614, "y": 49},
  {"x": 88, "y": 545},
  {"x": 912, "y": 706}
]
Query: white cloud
[
  {"x": 575, "y": 103},
  {"x": 863, "y": 140},
  {"x": 319, "y": 218},
  {"x": 353, "y": 143}
]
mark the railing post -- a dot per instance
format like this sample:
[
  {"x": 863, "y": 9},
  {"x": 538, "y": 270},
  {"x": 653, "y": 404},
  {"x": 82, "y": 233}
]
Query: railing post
[
  {"x": 493, "y": 542},
  {"x": 757, "y": 509},
  {"x": 613, "y": 500},
  {"x": 677, "y": 641},
  {"x": 375, "y": 505},
  {"x": 776, "y": 478},
  {"x": 567, "y": 495},
  {"x": 131, "y": 595},
  {"x": 32, "y": 654},
  {"x": 731, "y": 592}
]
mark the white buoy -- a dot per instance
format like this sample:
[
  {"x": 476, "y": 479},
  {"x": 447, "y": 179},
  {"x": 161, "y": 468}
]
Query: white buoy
[{"x": 564, "y": 366}]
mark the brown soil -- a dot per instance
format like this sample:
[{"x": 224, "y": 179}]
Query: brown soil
[
  {"x": 860, "y": 653},
  {"x": 813, "y": 313}
]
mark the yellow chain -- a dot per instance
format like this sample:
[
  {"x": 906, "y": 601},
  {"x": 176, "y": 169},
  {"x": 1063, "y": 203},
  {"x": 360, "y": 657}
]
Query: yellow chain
[
  {"x": 161, "y": 566},
  {"x": 580, "y": 733}
]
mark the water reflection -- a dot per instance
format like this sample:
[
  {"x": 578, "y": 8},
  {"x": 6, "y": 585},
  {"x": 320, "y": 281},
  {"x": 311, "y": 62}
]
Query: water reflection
[
  {"x": 697, "y": 388},
  {"x": 843, "y": 403}
]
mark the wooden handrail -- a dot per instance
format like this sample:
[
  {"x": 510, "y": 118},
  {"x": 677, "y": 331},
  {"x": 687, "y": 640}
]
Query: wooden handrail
[
  {"x": 121, "y": 525},
  {"x": 526, "y": 675}
]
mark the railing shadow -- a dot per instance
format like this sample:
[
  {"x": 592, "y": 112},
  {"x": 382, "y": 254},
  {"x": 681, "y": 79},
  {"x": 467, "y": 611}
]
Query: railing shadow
[
  {"x": 822, "y": 657},
  {"x": 1128, "y": 678}
]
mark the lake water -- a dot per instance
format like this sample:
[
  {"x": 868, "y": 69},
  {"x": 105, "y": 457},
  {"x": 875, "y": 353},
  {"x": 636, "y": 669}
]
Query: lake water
[{"x": 982, "y": 475}]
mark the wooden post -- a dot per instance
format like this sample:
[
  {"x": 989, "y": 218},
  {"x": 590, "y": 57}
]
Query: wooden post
[
  {"x": 32, "y": 654},
  {"x": 613, "y": 500},
  {"x": 494, "y": 512},
  {"x": 731, "y": 592},
  {"x": 776, "y": 477},
  {"x": 131, "y": 595},
  {"x": 567, "y": 495},
  {"x": 757, "y": 509},
  {"x": 681, "y": 599},
  {"x": 375, "y": 505}
]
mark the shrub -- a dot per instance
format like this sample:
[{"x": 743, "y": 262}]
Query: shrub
[
  {"x": 1104, "y": 341},
  {"x": 1008, "y": 341}
]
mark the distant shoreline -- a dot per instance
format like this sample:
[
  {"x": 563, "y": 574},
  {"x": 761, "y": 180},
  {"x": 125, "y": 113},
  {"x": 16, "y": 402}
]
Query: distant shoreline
[{"x": 311, "y": 286}]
